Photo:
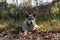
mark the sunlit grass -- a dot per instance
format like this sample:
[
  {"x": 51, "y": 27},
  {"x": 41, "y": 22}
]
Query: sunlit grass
[{"x": 55, "y": 9}]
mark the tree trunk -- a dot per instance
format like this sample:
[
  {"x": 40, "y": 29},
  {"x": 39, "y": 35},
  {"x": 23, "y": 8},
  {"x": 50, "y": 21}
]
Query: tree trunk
[
  {"x": 36, "y": 2},
  {"x": 17, "y": 3},
  {"x": 5, "y": 4}
]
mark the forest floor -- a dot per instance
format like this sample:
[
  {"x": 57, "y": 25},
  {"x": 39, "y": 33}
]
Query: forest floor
[{"x": 31, "y": 36}]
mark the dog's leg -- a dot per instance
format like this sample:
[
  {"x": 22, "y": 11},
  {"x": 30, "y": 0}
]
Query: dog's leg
[
  {"x": 36, "y": 26},
  {"x": 25, "y": 32}
]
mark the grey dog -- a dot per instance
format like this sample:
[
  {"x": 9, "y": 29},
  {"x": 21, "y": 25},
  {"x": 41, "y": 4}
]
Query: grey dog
[{"x": 29, "y": 24}]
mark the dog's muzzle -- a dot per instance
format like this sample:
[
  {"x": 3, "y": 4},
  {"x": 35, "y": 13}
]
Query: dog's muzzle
[{"x": 29, "y": 23}]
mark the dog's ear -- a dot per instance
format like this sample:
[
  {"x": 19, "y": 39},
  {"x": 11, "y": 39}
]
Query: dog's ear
[
  {"x": 26, "y": 14},
  {"x": 34, "y": 15}
]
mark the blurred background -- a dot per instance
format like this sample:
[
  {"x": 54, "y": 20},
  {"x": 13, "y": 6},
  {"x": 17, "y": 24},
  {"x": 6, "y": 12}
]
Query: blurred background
[{"x": 12, "y": 17}]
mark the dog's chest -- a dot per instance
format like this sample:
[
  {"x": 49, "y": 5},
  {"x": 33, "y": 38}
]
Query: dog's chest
[
  {"x": 28, "y": 26},
  {"x": 31, "y": 27}
]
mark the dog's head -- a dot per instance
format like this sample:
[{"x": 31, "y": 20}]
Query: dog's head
[{"x": 30, "y": 18}]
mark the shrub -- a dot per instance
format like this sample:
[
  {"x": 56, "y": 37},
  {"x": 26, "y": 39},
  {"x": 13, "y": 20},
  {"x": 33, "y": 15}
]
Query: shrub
[{"x": 54, "y": 9}]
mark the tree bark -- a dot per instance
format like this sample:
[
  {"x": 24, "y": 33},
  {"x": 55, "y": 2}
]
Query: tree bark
[
  {"x": 5, "y": 4},
  {"x": 17, "y": 3}
]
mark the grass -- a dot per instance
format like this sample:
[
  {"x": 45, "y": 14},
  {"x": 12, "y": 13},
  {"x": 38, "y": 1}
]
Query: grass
[{"x": 44, "y": 26}]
